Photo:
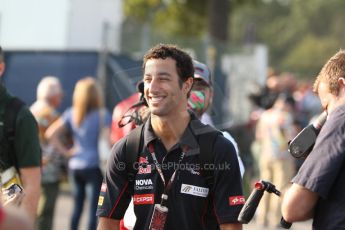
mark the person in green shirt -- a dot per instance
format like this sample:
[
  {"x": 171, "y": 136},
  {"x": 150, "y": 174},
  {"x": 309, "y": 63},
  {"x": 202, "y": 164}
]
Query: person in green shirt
[{"x": 24, "y": 154}]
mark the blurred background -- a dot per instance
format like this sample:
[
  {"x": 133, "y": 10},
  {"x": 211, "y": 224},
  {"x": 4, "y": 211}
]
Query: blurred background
[
  {"x": 238, "y": 39},
  {"x": 244, "y": 42}
]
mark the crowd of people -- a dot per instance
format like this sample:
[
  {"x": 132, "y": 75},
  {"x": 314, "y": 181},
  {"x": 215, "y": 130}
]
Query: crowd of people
[
  {"x": 169, "y": 122},
  {"x": 280, "y": 112}
]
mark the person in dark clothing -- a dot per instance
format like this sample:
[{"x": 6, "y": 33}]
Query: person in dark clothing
[
  {"x": 23, "y": 153},
  {"x": 318, "y": 188},
  {"x": 170, "y": 144}
]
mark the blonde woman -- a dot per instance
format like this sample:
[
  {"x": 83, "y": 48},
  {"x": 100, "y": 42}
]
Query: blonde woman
[{"x": 84, "y": 119}]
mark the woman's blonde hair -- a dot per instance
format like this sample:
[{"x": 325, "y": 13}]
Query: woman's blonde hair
[{"x": 87, "y": 96}]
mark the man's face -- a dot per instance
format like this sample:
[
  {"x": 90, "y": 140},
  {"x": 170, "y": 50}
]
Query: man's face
[
  {"x": 162, "y": 91},
  {"x": 328, "y": 100},
  {"x": 56, "y": 100},
  {"x": 201, "y": 86}
]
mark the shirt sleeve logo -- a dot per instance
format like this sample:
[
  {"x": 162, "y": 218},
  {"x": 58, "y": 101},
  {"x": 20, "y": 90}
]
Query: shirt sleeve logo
[
  {"x": 140, "y": 199},
  {"x": 236, "y": 200}
]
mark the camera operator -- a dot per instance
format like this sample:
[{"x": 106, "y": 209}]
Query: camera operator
[{"x": 318, "y": 188}]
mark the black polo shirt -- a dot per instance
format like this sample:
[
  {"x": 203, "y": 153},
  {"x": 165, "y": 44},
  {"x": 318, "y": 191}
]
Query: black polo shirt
[
  {"x": 191, "y": 204},
  {"x": 323, "y": 172}
]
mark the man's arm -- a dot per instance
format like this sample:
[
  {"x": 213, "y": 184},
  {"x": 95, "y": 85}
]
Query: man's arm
[
  {"x": 108, "y": 224},
  {"x": 53, "y": 134},
  {"x": 298, "y": 203},
  {"x": 31, "y": 179},
  {"x": 237, "y": 226}
]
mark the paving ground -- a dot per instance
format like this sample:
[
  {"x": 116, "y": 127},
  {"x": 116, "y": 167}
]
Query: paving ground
[{"x": 64, "y": 211}]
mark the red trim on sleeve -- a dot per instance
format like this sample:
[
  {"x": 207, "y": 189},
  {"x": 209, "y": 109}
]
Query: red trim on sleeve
[{"x": 118, "y": 200}]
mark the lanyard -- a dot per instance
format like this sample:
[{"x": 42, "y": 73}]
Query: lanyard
[{"x": 167, "y": 186}]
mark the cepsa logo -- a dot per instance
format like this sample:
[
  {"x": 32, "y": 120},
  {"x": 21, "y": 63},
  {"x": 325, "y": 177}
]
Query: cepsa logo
[
  {"x": 140, "y": 199},
  {"x": 236, "y": 200}
]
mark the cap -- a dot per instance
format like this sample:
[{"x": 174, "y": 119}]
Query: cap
[{"x": 202, "y": 72}]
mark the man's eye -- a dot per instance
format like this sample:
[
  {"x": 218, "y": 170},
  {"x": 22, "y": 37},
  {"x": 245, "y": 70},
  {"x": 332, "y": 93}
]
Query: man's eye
[{"x": 164, "y": 79}]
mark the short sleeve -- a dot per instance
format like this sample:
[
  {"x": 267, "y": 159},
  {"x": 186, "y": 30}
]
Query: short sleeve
[
  {"x": 227, "y": 191},
  {"x": 115, "y": 193},
  {"x": 27, "y": 147},
  {"x": 324, "y": 162}
]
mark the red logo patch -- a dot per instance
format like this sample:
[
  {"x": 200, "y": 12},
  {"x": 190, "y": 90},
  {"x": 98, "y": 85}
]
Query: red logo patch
[
  {"x": 143, "y": 199},
  {"x": 104, "y": 187},
  {"x": 143, "y": 160},
  {"x": 236, "y": 200},
  {"x": 144, "y": 170}
]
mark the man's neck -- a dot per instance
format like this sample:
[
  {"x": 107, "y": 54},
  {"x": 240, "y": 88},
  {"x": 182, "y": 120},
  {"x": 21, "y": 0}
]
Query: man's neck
[{"x": 170, "y": 130}]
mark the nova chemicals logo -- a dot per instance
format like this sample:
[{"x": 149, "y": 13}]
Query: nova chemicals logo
[{"x": 143, "y": 184}]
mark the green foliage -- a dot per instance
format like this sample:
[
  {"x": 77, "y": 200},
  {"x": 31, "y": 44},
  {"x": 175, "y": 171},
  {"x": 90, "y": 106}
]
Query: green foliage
[
  {"x": 300, "y": 34},
  {"x": 140, "y": 9},
  {"x": 309, "y": 55},
  {"x": 171, "y": 19}
]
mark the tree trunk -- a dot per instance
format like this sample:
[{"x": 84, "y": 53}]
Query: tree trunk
[{"x": 218, "y": 20}]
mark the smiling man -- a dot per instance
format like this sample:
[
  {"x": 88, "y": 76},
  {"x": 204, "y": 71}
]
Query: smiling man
[
  {"x": 169, "y": 190},
  {"x": 318, "y": 189}
]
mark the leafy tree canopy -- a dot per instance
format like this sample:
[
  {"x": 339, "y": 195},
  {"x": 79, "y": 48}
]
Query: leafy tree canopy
[{"x": 300, "y": 34}]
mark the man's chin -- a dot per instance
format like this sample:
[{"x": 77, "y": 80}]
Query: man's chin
[{"x": 157, "y": 112}]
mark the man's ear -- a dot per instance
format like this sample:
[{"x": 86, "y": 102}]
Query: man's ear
[
  {"x": 188, "y": 84},
  {"x": 341, "y": 82}
]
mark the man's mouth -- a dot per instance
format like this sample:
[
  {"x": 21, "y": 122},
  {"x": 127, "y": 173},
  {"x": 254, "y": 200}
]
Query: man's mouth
[{"x": 156, "y": 99}]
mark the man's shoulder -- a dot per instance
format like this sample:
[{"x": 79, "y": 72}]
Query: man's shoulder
[
  {"x": 24, "y": 113},
  {"x": 119, "y": 146},
  {"x": 199, "y": 128}
]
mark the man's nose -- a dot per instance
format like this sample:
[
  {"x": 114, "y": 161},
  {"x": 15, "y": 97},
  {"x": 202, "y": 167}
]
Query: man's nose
[{"x": 153, "y": 85}]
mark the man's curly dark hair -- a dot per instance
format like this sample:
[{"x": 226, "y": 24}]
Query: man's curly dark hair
[{"x": 184, "y": 63}]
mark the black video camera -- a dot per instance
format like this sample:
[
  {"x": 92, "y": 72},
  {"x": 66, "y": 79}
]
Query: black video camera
[{"x": 304, "y": 142}]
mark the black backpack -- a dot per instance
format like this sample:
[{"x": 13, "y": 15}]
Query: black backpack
[
  {"x": 206, "y": 142},
  {"x": 13, "y": 106}
]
